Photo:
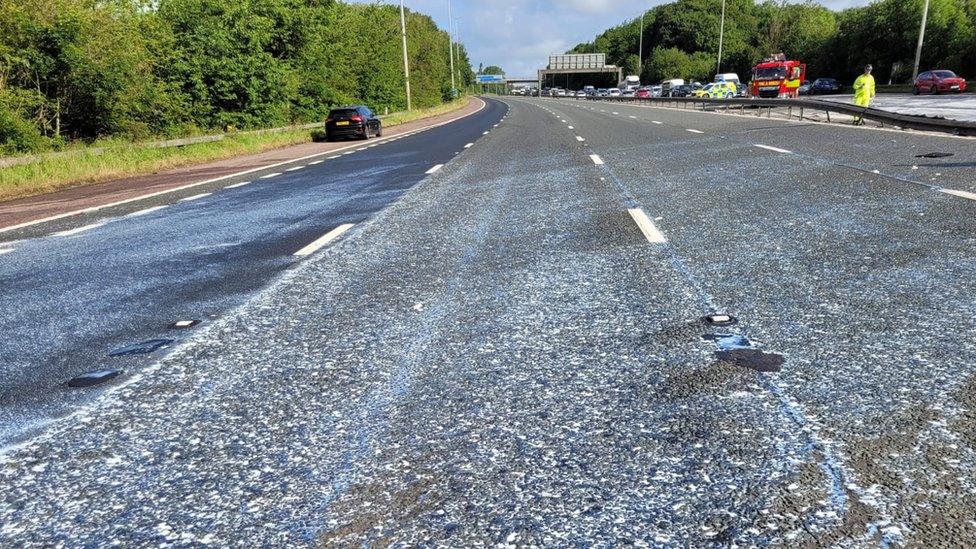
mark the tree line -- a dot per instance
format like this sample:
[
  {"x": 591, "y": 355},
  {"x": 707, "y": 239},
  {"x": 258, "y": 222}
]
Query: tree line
[
  {"x": 84, "y": 69},
  {"x": 681, "y": 38}
]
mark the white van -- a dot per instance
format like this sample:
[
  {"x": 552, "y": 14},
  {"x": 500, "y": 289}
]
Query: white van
[
  {"x": 728, "y": 77},
  {"x": 668, "y": 85}
]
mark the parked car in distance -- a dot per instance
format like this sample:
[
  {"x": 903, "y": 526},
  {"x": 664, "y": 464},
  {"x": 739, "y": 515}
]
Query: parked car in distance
[
  {"x": 685, "y": 90},
  {"x": 716, "y": 90},
  {"x": 352, "y": 121},
  {"x": 627, "y": 93},
  {"x": 804, "y": 88},
  {"x": 668, "y": 86},
  {"x": 581, "y": 93},
  {"x": 939, "y": 81},
  {"x": 644, "y": 91},
  {"x": 824, "y": 85},
  {"x": 589, "y": 90},
  {"x": 603, "y": 92},
  {"x": 613, "y": 92},
  {"x": 655, "y": 91}
]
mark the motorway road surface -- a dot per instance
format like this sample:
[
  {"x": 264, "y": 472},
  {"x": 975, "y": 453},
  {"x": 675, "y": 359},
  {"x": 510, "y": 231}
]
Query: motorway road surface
[
  {"x": 955, "y": 107},
  {"x": 512, "y": 353},
  {"x": 82, "y": 287}
]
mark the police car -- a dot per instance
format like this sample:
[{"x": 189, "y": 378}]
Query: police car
[{"x": 717, "y": 90}]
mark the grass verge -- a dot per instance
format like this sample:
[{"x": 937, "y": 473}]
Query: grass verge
[{"x": 121, "y": 160}]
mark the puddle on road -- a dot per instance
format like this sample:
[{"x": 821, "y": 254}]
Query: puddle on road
[
  {"x": 142, "y": 348},
  {"x": 754, "y": 359},
  {"x": 96, "y": 377},
  {"x": 727, "y": 342}
]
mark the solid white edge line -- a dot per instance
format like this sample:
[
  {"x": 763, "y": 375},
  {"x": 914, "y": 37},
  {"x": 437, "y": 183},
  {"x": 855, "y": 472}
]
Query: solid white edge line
[
  {"x": 323, "y": 240},
  {"x": 646, "y": 226},
  {"x": 434, "y": 169},
  {"x": 270, "y": 175},
  {"x": 578, "y": 138},
  {"x": 960, "y": 194},
  {"x": 221, "y": 178},
  {"x": 81, "y": 229},
  {"x": 694, "y": 131},
  {"x": 146, "y": 211},
  {"x": 236, "y": 185},
  {"x": 195, "y": 197},
  {"x": 774, "y": 149},
  {"x": 596, "y": 159}
]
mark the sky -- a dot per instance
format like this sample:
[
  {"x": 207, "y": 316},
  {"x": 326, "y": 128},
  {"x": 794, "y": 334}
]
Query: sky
[{"x": 519, "y": 35}]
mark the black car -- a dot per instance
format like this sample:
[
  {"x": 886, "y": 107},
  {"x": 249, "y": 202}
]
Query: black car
[
  {"x": 352, "y": 121},
  {"x": 824, "y": 85},
  {"x": 685, "y": 90}
]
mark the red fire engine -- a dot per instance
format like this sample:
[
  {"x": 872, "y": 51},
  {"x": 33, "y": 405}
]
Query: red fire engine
[{"x": 777, "y": 76}]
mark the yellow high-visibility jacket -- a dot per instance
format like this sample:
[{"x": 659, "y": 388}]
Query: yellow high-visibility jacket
[{"x": 863, "y": 90}]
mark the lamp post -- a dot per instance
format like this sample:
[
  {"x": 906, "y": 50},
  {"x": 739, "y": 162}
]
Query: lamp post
[
  {"x": 721, "y": 36},
  {"x": 406, "y": 61},
  {"x": 921, "y": 38},
  {"x": 640, "y": 47},
  {"x": 450, "y": 44}
]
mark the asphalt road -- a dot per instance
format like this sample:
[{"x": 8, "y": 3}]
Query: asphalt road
[
  {"x": 956, "y": 107},
  {"x": 80, "y": 288},
  {"x": 512, "y": 353}
]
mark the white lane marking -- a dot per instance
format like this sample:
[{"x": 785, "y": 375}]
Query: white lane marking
[
  {"x": 236, "y": 185},
  {"x": 596, "y": 159},
  {"x": 146, "y": 211},
  {"x": 647, "y": 226},
  {"x": 615, "y": 112},
  {"x": 578, "y": 138},
  {"x": 434, "y": 169},
  {"x": 333, "y": 157},
  {"x": 485, "y": 133},
  {"x": 495, "y": 126},
  {"x": 655, "y": 121},
  {"x": 361, "y": 149},
  {"x": 774, "y": 149},
  {"x": 960, "y": 194},
  {"x": 694, "y": 131},
  {"x": 216, "y": 179},
  {"x": 81, "y": 229},
  {"x": 570, "y": 127},
  {"x": 632, "y": 116},
  {"x": 314, "y": 162},
  {"x": 294, "y": 168},
  {"x": 5, "y": 250},
  {"x": 345, "y": 153},
  {"x": 323, "y": 240},
  {"x": 270, "y": 175},
  {"x": 183, "y": 323},
  {"x": 469, "y": 145},
  {"x": 195, "y": 197}
]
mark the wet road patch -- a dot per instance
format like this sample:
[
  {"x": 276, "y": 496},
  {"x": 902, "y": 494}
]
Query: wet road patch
[
  {"x": 753, "y": 359},
  {"x": 95, "y": 377},
  {"x": 141, "y": 348},
  {"x": 728, "y": 342}
]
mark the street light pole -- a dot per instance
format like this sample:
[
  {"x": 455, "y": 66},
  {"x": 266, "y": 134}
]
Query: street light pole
[
  {"x": 640, "y": 48},
  {"x": 721, "y": 37},
  {"x": 450, "y": 44},
  {"x": 921, "y": 38},
  {"x": 406, "y": 61},
  {"x": 457, "y": 46}
]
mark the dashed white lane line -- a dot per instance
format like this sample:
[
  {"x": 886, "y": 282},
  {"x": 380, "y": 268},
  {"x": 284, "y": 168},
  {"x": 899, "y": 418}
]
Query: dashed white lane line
[
  {"x": 570, "y": 127},
  {"x": 195, "y": 197},
  {"x": 656, "y": 122},
  {"x": 485, "y": 133},
  {"x": 314, "y": 162},
  {"x": 694, "y": 131},
  {"x": 5, "y": 250},
  {"x": 495, "y": 126},
  {"x": 270, "y": 175},
  {"x": 774, "y": 149},
  {"x": 434, "y": 169},
  {"x": 345, "y": 153},
  {"x": 236, "y": 185},
  {"x": 323, "y": 240},
  {"x": 651, "y": 233},
  {"x": 615, "y": 112},
  {"x": 333, "y": 157},
  {"x": 296, "y": 168},
  {"x": 960, "y": 194},
  {"x": 81, "y": 229},
  {"x": 632, "y": 116},
  {"x": 578, "y": 138},
  {"x": 596, "y": 159},
  {"x": 146, "y": 211},
  {"x": 469, "y": 145}
]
